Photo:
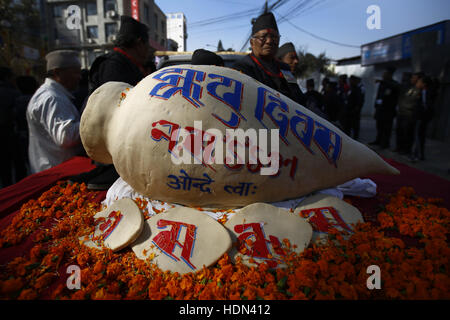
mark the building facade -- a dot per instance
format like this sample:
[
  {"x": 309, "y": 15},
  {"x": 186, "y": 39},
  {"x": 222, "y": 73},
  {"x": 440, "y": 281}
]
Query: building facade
[
  {"x": 91, "y": 26},
  {"x": 176, "y": 29},
  {"x": 159, "y": 27}
]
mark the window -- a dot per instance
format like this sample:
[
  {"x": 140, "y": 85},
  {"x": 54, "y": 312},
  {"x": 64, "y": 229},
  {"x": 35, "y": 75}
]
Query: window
[
  {"x": 179, "y": 16},
  {"x": 92, "y": 32},
  {"x": 92, "y": 55},
  {"x": 156, "y": 21},
  {"x": 58, "y": 10},
  {"x": 110, "y": 29},
  {"x": 91, "y": 8},
  {"x": 146, "y": 12},
  {"x": 110, "y": 5},
  {"x": 162, "y": 27}
]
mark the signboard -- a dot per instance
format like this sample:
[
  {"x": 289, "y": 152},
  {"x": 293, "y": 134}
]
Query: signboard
[
  {"x": 436, "y": 31},
  {"x": 398, "y": 47},
  {"x": 135, "y": 9},
  {"x": 382, "y": 51}
]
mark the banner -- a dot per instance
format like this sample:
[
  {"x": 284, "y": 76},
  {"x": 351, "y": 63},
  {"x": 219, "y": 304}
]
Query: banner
[{"x": 135, "y": 9}]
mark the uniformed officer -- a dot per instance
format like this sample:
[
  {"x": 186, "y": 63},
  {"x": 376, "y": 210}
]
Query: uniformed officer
[{"x": 385, "y": 105}]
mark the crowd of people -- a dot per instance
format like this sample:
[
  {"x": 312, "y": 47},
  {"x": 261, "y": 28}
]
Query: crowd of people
[
  {"x": 411, "y": 104},
  {"x": 339, "y": 102},
  {"x": 40, "y": 124}
]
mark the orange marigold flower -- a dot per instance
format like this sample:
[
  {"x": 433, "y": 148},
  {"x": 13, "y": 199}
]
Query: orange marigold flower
[
  {"x": 28, "y": 294},
  {"x": 99, "y": 267},
  {"x": 336, "y": 270},
  {"x": 11, "y": 285},
  {"x": 43, "y": 281}
]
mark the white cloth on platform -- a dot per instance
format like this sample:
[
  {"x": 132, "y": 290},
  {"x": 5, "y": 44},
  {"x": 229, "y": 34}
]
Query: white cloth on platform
[
  {"x": 365, "y": 188},
  {"x": 356, "y": 187}
]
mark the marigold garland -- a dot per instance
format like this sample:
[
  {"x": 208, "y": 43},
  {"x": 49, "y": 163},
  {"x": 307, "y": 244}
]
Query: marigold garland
[{"x": 336, "y": 270}]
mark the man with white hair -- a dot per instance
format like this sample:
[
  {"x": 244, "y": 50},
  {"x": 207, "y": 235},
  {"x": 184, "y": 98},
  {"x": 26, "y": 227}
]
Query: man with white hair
[
  {"x": 53, "y": 120},
  {"x": 261, "y": 64}
]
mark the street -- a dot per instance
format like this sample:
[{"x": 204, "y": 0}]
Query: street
[{"x": 437, "y": 153}]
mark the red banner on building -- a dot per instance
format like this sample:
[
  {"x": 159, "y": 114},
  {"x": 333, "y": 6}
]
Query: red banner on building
[{"x": 135, "y": 9}]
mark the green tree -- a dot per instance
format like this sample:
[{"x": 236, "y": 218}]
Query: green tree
[
  {"x": 309, "y": 63},
  {"x": 19, "y": 26},
  {"x": 220, "y": 46},
  {"x": 22, "y": 17}
]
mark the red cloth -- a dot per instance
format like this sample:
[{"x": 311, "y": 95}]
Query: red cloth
[
  {"x": 12, "y": 197},
  {"x": 425, "y": 185}
]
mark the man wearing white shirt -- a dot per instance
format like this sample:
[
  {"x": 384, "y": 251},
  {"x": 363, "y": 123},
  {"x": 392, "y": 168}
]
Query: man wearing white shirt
[{"x": 53, "y": 120}]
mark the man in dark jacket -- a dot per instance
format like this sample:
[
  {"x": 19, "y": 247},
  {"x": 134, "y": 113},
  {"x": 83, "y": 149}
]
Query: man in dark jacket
[
  {"x": 408, "y": 109},
  {"x": 126, "y": 62},
  {"x": 385, "y": 104},
  {"x": 8, "y": 95},
  {"x": 331, "y": 102},
  {"x": 261, "y": 63},
  {"x": 27, "y": 86},
  {"x": 425, "y": 114},
  {"x": 352, "y": 111},
  {"x": 314, "y": 100}
]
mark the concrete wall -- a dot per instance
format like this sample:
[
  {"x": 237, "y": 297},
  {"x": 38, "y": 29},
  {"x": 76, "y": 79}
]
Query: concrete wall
[
  {"x": 161, "y": 31},
  {"x": 91, "y": 48},
  {"x": 176, "y": 29}
]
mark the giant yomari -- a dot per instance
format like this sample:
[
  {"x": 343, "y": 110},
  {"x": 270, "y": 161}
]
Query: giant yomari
[{"x": 212, "y": 136}]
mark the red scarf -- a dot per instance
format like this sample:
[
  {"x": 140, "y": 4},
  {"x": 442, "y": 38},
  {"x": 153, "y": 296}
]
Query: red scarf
[
  {"x": 279, "y": 75},
  {"x": 117, "y": 49}
]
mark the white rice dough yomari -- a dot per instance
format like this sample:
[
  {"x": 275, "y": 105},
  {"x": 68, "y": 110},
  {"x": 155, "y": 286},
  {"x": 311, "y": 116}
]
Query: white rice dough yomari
[
  {"x": 260, "y": 229},
  {"x": 324, "y": 212},
  {"x": 182, "y": 240},
  {"x": 136, "y": 129},
  {"x": 122, "y": 222}
]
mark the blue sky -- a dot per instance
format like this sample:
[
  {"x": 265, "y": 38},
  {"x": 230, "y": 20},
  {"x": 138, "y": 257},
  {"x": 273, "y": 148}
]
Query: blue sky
[{"x": 342, "y": 21}]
